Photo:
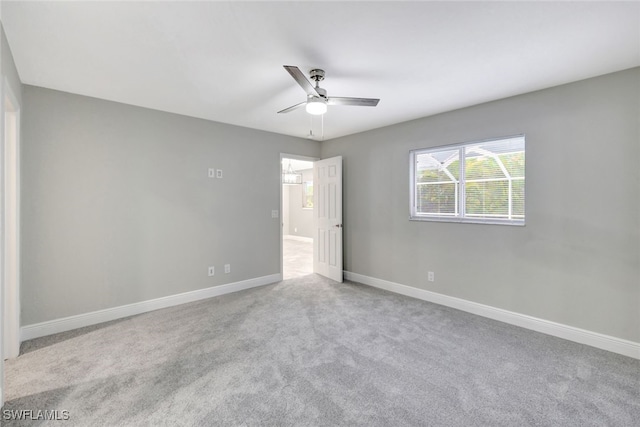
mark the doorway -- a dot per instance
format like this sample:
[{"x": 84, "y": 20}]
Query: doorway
[{"x": 297, "y": 216}]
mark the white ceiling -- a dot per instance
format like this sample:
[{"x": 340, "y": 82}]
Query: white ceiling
[{"x": 222, "y": 61}]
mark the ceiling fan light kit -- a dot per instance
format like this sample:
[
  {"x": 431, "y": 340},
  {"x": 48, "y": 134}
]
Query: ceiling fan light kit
[{"x": 316, "y": 106}]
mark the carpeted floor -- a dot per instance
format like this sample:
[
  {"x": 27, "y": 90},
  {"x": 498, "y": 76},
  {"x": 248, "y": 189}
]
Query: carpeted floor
[{"x": 310, "y": 352}]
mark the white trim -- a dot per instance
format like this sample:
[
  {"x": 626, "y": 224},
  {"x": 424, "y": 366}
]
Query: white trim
[
  {"x": 298, "y": 238},
  {"x": 582, "y": 336},
  {"x": 87, "y": 319},
  {"x": 11, "y": 227}
]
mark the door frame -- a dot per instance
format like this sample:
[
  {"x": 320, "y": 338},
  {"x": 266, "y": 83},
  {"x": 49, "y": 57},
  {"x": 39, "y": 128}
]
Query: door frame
[
  {"x": 295, "y": 157},
  {"x": 10, "y": 274}
]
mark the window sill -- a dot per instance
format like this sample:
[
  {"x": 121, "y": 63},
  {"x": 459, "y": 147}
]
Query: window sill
[{"x": 518, "y": 223}]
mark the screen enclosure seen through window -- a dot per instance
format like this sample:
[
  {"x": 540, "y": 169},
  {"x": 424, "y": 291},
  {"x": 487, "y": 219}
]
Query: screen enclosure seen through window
[{"x": 480, "y": 182}]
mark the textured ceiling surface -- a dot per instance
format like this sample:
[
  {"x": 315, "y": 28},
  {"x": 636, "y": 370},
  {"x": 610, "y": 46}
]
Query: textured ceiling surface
[{"x": 223, "y": 61}]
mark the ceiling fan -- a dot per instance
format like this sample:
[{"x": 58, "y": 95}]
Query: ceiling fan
[{"x": 317, "y": 99}]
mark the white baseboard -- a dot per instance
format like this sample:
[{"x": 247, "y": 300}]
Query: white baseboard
[
  {"x": 582, "y": 336},
  {"x": 87, "y": 319},
  {"x": 298, "y": 238}
]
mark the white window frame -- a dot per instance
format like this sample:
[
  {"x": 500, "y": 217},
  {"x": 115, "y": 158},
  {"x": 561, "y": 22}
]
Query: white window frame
[
  {"x": 460, "y": 214},
  {"x": 305, "y": 185}
]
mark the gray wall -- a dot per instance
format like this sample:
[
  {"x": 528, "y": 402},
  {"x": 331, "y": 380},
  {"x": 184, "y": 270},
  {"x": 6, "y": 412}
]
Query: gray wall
[
  {"x": 8, "y": 68},
  {"x": 300, "y": 219},
  {"x": 117, "y": 207},
  {"x": 575, "y": 262}
]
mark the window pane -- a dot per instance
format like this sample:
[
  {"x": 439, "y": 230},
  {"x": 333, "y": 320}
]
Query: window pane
[
  {"x": 488, "y": 199},
  {"x": 514, "y": 163},
  {"x": 518, "y": 198},
  {"x": 480, "y": 166},
  {"x": 437, "y": 199},
  {"x": 490, "y": 188},
  {"x": 437, "y": 166}
]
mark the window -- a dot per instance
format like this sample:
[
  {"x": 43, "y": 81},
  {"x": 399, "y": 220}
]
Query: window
[
  {"x": 487, "y": 186},
  {"x": 307, "y": 194}
]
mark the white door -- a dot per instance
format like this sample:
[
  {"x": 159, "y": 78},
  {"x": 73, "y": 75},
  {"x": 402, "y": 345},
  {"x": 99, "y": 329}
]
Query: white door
[{"x": 327, "y": 218}]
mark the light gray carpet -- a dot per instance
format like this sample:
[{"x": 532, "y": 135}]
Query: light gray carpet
[{"x": 309, "y": 352}]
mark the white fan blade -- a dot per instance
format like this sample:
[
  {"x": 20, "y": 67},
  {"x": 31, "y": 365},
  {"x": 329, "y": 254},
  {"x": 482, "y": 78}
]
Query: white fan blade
[
  {"x": 293, "y": 107},
  {"x": 302, "y": 80},
  {"x": 359, "y": 102}
]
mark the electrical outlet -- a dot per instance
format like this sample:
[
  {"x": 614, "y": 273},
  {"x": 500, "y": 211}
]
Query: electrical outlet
[
  {"x": 212, "y": 173},
  {"x": 227, "y": 268},
  {"x": 274, "y": 214},
  {"x": 431, "y": 276},
  {"x": 218, "y": 173},
  {"x": 212, "y": 271}
]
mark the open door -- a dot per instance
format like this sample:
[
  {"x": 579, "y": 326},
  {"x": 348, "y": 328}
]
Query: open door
[{"x": 327, "y": 218}]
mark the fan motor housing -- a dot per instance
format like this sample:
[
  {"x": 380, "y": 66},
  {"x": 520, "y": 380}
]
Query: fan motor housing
[
  {"x": 317, "y": 75},
  {"x": 321, "y": 92}
]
